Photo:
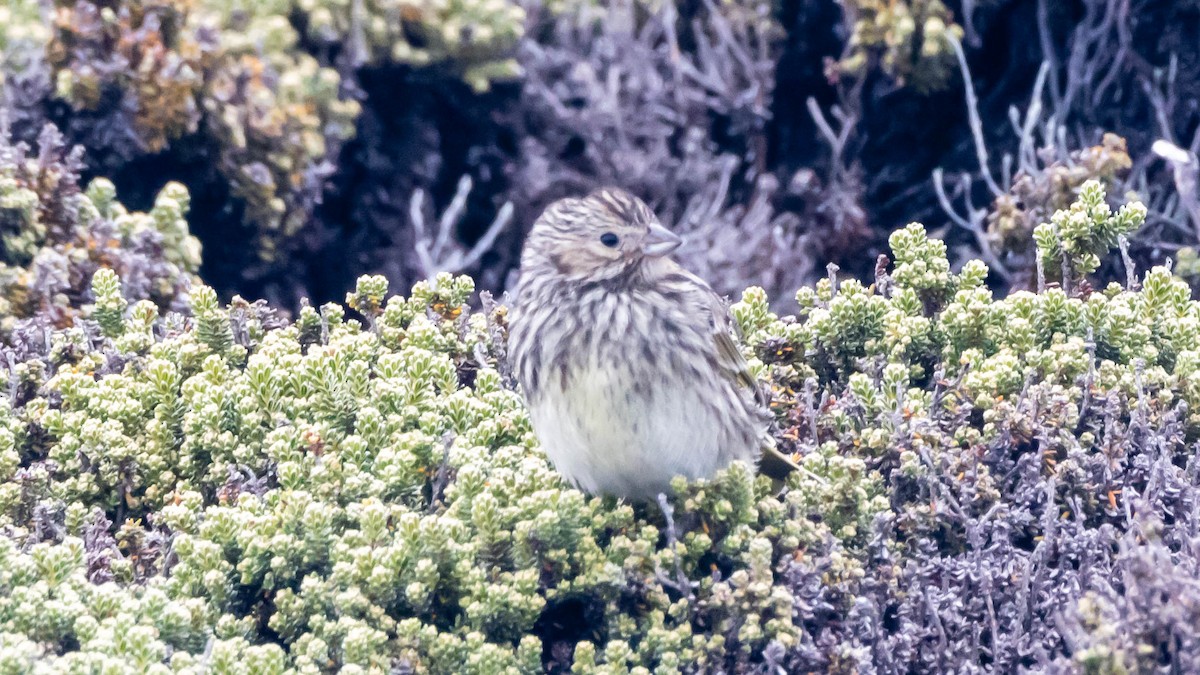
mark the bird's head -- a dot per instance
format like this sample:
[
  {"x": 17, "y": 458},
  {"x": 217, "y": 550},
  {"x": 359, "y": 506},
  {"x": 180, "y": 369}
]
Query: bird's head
[{"x": 601, "y": 237}]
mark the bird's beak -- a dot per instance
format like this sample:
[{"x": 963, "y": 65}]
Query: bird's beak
[{"x": 660, "y": 241}]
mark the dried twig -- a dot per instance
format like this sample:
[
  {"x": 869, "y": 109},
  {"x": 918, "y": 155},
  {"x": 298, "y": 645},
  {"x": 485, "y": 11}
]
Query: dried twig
[
  {"x": 436, "y": 251},
  {"x": 976, "y": 122}
]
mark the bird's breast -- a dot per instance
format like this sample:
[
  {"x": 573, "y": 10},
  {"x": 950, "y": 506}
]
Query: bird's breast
[{"x": 624, "y": 394}]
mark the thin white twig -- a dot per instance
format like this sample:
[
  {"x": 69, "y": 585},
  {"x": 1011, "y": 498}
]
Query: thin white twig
[
  {"x": 416, "y": 214},
  {"x": 973, "y": 223},
  {"x": 973, "y": 117},
  {"x": 452, "y": 213},
  {"x": 503, "y": 217},
  {"x": 1027, "y": 152},
  {"x": 441, "y": 255}
]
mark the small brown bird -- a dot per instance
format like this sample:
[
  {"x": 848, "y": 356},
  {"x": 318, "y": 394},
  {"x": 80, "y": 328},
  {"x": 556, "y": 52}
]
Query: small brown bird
[{"x": 628, "y": 361}]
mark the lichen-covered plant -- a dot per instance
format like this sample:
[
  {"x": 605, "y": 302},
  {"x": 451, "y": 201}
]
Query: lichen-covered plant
[
  {"x": 474, "y": 38},
  {"x": 1095, "y": 110},
  {"x": 54, "y": 235},
  {"x": 24, "y": 77},
  {"x": 1072, "y": 242},
  {"x": 135, "y": 61},
  {"x": 990, "y": 484},
  {"x": 22, "y": 31},
  {"x": 1037, "y": 194},
  {"x": 277, "y": 119},
  {"x": 911, "y": 41},
  {"x": 140, "y": 75}
]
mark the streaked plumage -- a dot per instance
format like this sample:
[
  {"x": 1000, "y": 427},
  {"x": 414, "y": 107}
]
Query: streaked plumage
[{"x": 627, "y": 360}]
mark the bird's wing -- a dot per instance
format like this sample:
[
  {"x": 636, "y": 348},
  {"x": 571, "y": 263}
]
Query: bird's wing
[
  {"x": 774, "y": 463},
  {"x": 729, "y": 357}
]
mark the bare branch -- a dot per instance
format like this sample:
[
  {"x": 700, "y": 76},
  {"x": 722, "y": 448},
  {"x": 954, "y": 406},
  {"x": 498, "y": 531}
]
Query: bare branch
[
  {"x": 972, "y": 223},
  {"x": 452, "y": 214},
  {"x": 501, "y": 221},
  {"x": 1049, "y": 57},
  {"x": 438, "y": 251},
  {"x": 416, "y": 216},
  {"x": 973, "y": 117}
]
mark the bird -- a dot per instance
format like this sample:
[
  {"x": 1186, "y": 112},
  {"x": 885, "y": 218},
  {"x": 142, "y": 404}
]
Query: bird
[{"x": 629, "y": 362}]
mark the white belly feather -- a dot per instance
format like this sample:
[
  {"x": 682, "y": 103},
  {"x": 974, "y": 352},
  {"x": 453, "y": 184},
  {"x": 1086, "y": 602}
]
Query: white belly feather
[{"x": 605, "y": 438}]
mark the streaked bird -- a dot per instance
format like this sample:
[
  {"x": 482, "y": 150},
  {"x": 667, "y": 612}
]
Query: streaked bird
[{"x": 628, "y": 361}]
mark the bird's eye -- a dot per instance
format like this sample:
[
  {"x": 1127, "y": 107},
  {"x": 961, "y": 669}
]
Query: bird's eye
[{"x": 610, "y": 240}]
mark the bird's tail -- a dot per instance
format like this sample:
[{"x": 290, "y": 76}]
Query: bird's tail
[
  {"x": 778, "y": 465},
  {"x": 775, "y": 463}
]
